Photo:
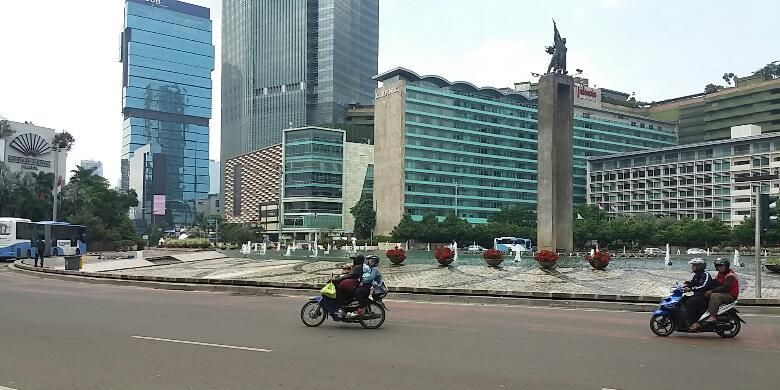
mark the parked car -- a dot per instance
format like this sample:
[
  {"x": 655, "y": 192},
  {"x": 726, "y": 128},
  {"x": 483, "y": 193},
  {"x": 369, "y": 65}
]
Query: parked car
[
  {"x": 475, "y": 249},
  {"x": 654, "y": 251},
  {"x": 696, "y": 251}
]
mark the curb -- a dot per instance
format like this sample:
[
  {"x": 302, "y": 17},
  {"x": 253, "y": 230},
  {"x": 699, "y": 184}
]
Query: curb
[{"x": 628, "y": 303}]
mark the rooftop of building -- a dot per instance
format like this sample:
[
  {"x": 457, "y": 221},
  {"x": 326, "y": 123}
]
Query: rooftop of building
[
  {"x": 766, "y": 136},
  {"x": 440, "y": 81}
]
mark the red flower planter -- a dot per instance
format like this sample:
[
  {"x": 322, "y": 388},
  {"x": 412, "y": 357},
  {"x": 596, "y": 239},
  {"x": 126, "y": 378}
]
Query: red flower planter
[
  {"x": 444, "y": 255},
  {"x": 493, "y": 257},
  {"x": 396, "y": 255},
  {"x": 599, "y": 260},
  {"x": 546, "y": 259}
]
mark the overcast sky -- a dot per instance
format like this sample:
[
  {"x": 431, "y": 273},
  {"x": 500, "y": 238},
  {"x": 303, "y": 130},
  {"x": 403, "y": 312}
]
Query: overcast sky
[{"x": 59, "y": 60}]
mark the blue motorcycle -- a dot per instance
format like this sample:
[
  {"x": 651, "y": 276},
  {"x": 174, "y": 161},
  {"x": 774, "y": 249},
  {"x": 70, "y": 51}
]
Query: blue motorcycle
[
  {"x": 314, "y": 312},
  {"x": 671, "y": 317}
]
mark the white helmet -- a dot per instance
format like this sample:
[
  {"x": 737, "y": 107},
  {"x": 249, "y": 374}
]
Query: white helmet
[{"x": 698, "y": 263}]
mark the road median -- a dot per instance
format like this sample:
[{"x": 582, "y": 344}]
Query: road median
[{"x": 634, "y": 303}]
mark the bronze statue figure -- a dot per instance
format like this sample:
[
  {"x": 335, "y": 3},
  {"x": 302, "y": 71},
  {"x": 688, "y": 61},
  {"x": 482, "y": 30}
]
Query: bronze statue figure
[{"x": 558, "y": 51}]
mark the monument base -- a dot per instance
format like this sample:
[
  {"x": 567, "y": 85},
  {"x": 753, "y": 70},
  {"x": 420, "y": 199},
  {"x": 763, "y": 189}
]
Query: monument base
[{"x": 555, "y": 163}]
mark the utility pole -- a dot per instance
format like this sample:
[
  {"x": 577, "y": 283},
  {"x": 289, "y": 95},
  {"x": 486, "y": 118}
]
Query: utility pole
[
  {"x": 56, "y": 182},
  {"x": 758, "y": 242},
  {"x": 457, "y": 184}
]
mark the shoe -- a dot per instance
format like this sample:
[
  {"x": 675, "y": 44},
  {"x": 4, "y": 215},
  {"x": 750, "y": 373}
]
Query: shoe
[
  {"x": 694, "y": 328},
  {"x": 341, "y": 313}
]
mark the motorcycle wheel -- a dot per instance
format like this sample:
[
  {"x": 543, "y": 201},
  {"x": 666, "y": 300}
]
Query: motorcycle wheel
[
  {"x": 662, "y": 325},
  {"x": 374, "y": 316},
  {"x": 312, "y": 314},
  {"x": 734, "y": 326}
]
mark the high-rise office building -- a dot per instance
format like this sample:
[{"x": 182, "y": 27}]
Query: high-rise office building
[
  {"x": 293, "y": 63},
  {"x": 167, "y": 59},
  {"x": 96, "y": 166}
]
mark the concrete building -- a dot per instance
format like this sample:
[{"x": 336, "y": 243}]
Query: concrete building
[
  {"x": 215, "y": 178},
  {"x": 209, "y": 206},
  {"x": 293, "y": 63},
  {"x": 167, "y": 59},
  {"x": 453, "y": 148},
  {"x": 96, "y": 166},
  {"x": 324, "y": 177},
  {"x": 28, "y": 149},
  {"x": 253, "y": 188},
  {"x": 693, "y": 180}
]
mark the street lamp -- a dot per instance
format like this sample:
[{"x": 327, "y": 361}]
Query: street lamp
[{"x": 457, "y": 187}]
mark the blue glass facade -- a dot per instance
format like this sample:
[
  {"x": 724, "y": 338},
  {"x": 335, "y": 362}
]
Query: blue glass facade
[{"x": 167, "y": 57}]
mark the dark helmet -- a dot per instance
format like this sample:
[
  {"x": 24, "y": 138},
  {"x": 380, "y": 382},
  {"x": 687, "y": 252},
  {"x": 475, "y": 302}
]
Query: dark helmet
[
  {"x": 698, "y": 264},
  {"x": 358, "y": 259},
  {"x": 722, "y": 261},
  {"x": 373, "y": 260}
]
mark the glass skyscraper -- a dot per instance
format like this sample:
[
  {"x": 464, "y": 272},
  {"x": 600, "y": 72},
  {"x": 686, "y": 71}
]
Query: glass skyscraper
[
  {"x": 167, "y": 58},
  {"x": 293, "y": 63}
]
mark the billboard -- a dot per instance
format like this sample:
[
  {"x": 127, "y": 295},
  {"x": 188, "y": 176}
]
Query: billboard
[
  {"x": 587, "y": 97},
  {"x": 158, "y": 205}
]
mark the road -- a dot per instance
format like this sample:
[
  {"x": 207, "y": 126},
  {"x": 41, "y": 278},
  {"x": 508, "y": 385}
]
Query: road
[{"x": 70, "y": 335}]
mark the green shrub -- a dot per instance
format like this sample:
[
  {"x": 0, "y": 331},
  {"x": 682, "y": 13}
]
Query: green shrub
[
  {"x": 188, "y": 243},
  {"x": 773, "y": 261}
]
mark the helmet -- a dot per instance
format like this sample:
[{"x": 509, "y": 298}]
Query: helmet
[
  {"x": 698, "y": 264},
  {"x": 358, "y": 259},
  {"x": 722, "y": 261},
  {"x": 373, "y": 260}
]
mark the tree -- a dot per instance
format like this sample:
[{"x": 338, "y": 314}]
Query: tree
[
  {"x": 519, "y": 215},
  {"x": 365, "y": 217},
  {"x": 5, "y": 129},
  {"x": 744, "y": 233},
  {"x": 729, "y": 78},
  {"x": 770, "y": 71},
  {"x": 407, "y": 229},
  {"x": 712, "y": 88},
  {"x": 63, "y": 141}
]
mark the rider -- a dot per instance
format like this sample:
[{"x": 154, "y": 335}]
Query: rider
[
  {"x": 696, "y": 305},
  {"x": 370, "y": 273},
  {"x": 348, "y": 282},
  {"x": 726, "y": 292}
]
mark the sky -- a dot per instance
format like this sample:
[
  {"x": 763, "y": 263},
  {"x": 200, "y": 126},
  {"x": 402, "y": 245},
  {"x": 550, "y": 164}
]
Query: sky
[{"x": 59, "y": 60}]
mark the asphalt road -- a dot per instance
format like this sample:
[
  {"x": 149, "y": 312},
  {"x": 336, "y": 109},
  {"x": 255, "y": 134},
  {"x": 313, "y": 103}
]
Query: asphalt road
[{"x": 70, "y": 335}]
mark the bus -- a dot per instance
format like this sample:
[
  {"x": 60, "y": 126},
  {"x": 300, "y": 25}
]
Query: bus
[
  {"x": 63, "y": 239},
  {"x": 17, "y": 238},
  {"x": 514, "y": 244},
  {"x": 11, "y": 244}
]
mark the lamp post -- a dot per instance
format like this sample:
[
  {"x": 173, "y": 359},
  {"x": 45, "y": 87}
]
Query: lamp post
[
  {"x": 457, "y": 187},
  {"x": 56, "y": 151}
]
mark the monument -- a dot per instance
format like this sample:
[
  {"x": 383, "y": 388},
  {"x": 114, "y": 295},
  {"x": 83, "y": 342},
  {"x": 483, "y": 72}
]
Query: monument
[{"x": 555, "y": 152}]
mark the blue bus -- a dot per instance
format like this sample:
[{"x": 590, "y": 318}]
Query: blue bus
[{"x": 17, "y": 238}]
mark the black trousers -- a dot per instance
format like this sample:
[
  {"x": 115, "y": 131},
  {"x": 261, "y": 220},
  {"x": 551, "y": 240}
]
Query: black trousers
[
  {"x": 39, "y": 255},
  {"x": 695, "y": 306}
]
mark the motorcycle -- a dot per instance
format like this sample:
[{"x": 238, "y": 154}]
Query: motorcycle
[
  {"x": 314, "y": 312},
  {"x": 671, "y": 317}
]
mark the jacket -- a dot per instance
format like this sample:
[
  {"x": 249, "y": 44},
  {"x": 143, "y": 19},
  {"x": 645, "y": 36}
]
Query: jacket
[
  {"x": 700, "y": 283},
  {"x": 728, "y": 284}
]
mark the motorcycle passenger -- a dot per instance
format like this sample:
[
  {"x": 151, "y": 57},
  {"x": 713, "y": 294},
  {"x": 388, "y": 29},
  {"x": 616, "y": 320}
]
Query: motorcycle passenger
[
  {"x": 370, "y": 272},
  {"x": 348, "y": 282},
  {"x": 701, "y": 282},
  {"x": 375, "y": 278},
  {"x": 727, "y": 290}
]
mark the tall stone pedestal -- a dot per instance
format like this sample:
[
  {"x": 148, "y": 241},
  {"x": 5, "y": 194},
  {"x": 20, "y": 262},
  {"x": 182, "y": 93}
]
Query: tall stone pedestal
[{"x": 556, "y": 160}]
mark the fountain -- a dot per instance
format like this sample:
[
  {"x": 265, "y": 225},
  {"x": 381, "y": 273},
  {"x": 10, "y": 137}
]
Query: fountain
[
  {"x": 668, "y": 257},
  {"x": 327, "y": 251},
  {"x": 289, "y": 251},
  {"x": 455, "y": 249},
  {"x": 315, "y": 249},
  {"x": 736, "y": 261},
  {"x": 517, "y": 256},
  {"x": 263, "y": 248}
]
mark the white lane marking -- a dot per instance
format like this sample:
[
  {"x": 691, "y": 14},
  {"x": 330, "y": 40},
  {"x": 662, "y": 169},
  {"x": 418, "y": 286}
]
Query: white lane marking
[
  {"x": 6, "y": 388},
  {"x": 201, "y": 344}
]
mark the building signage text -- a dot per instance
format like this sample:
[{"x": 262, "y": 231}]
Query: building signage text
[
  {"x": 29, "y": 163},
  {"x": 387, "y": 92}
]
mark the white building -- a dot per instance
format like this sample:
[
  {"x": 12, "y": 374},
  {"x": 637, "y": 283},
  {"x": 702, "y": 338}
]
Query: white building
[
  {"x": 29, "y": 149},
  {"x": 215, "y": 178},
  {"x": 92, "y": 164},
  {"x": 693, "y": 180}
]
